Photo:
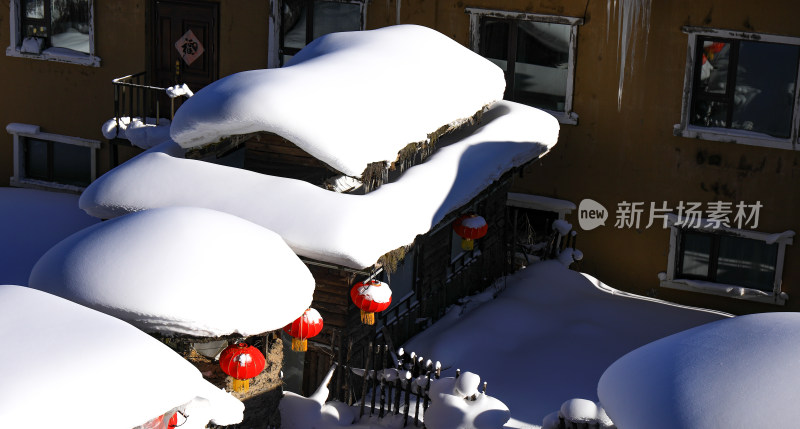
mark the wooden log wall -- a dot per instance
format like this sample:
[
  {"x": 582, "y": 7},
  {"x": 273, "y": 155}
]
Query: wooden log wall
[{"x": 268, "y": 153}]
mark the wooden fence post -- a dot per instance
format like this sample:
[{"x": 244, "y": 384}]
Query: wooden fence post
[{"x": 366, "y": 376}]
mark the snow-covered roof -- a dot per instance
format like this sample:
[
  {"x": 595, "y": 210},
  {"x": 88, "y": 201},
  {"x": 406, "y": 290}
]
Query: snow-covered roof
[
  {"x": 350, "y": 230},
  {"x": 183, "y": 270},
  {"x": 32, "y": 221},
  {"x": 740, "y": 372},
  {"x": 65, "y": 365},
  {"x": 349, "y": 98}
]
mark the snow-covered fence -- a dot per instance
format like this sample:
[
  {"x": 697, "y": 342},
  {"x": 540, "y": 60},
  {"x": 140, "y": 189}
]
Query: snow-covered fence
[{"x": 392, "y": 385}]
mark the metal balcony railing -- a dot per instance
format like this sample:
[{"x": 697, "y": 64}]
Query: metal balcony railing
[{"x": 134, "y": 98}]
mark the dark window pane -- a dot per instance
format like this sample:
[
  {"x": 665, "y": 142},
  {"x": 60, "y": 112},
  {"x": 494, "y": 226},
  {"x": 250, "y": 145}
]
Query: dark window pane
[
  {"x": 36, "y": 159},
  {"x": 542, "y": 62},
  {"x": 494, "y": 41},
  {"x": 710, "y": 114},
  {"x": 714, "y": 66},
  {"x": 293, "y": 23},
  {"x": 745, "y": 262},
  {"x": 696, "y": 254},
  {"x": 69, "y": 24},
  {"x": 71, "y": 164},
  {"x": 34, "y": 9},
  {"x": 765, "y": 85},
  {"x": 332, "y": 17}
]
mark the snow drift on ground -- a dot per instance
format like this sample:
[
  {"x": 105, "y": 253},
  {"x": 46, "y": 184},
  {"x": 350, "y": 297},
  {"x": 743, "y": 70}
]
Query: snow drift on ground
[
  {"x": 549, "y": 336},
  {"x": 65, "y": 365},
  {"x": 180, "y": 270},
  {"x": 741, "y": 372},
  {"x": 350, "y": 230},
  {"x": 457, "y": 403},
  {"x": 31, "y": 222},
  {"x": 349, "y": 98}
]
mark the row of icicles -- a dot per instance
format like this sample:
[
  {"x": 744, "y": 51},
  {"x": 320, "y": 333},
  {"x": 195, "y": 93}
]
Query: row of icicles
[{"x": 243, "y": 362}]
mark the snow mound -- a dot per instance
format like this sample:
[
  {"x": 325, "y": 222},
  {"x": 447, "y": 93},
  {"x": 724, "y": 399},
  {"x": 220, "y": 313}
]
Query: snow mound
[
  {"x": 738, "y": 372},
  {"x": 450, "y": 408},
  {"x": 76, "y": 367},
  {"x": 337, "y": 228},
  {"x": 143, "y": 134},
  {"x": 31, "y": 222},
  {"x": 381, "y": 81},
  {"x": 180, "y": 270},
  {"x": 548, "y": 355}
]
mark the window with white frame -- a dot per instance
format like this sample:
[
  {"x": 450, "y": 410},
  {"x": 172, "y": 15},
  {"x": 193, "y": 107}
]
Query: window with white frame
[
  {"x": 302, "y": 21},
  {"x": 58, "y": 30},
  {"x": 536, "y": 52},
  {"x": 741, "y": 87},
  {"x": 45, "y": 160},
  {"x": 737, "y": 263}
]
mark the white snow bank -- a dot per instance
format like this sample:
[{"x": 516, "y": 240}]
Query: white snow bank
[
  {"x": 454, "y": 406},
  {"x": 739, "y": 372},
  {"x": 349, "y": 98},
  {"x": 549, "y": 336},
  {"x": 144, "y": 134},
  {"x": 176, "y": 91},
  {"x": 70, "y": 366},
  {"x": 31, "y": 222},
  {"x": 349, "y": 230},
  {"x": 180, "y": 270}
]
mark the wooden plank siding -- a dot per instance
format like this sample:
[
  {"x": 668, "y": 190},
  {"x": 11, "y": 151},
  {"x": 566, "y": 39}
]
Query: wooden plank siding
[
  {"x": 437, "y": 287},
  {"x": 269, "y": 153}
]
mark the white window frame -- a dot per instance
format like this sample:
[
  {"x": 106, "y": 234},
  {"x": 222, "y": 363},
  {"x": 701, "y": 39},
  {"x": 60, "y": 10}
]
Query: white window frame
[
  {"x": 685, "y": 129},
  {"x": 274, "y": 31},
  {"x": 50, "y": 54},
  {"x": 668, "y": 280},
  {"x": 22, "y": 131},
  {"x": 475, "y": 15}
]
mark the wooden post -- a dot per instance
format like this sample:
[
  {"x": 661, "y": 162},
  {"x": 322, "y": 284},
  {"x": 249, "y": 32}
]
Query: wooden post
[
  {"x": 416, "y": 412},
  {"x": 366, "y": 376},
  {"x": 409, "y": 380},
  {"x": 375, "y": 378},
  {"x": 347, "y": 376},
  {"x": 398, "y": 387}
]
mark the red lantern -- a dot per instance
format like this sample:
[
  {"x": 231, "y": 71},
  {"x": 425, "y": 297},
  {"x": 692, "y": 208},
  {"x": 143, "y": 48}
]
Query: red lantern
[
  {"x": 470, "y": 227},
  {"x": 173, "y": 421},
  {"x": 242, "y": 362},
  {"x": 371, "y": 297},
  {"x": 305, "y": 327}
]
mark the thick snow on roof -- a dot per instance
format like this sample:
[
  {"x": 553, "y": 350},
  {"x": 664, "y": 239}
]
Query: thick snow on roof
[
  {"x": 741, "y": 372},
  {"x": 350, "y": 230},
  {"x": 548, "y": 336},
  {"x": 31, "y": 222},
  {"x": 180, "y": 270},
  {"x": 65, "y": 365},
  {"x": 349, "y": 98}
]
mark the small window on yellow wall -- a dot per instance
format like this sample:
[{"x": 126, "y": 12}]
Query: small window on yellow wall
[{"x": 61, "y": 30}]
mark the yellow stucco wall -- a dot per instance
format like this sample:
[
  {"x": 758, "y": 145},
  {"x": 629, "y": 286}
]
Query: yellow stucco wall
[{"x": 610, "y": 156}]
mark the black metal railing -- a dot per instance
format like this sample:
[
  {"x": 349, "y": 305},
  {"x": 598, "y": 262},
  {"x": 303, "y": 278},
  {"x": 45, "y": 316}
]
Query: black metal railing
[{"x": 135, "y": 98}]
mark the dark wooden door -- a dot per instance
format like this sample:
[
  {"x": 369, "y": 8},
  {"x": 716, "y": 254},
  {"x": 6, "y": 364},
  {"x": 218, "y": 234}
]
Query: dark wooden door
[{"x": 172, "y": 21}]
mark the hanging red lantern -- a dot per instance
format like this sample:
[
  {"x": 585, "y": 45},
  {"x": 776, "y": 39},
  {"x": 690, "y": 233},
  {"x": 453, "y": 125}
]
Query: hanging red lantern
[
  {"x": 305, "y": 327},
  {"x": 371, "y": 297},
  {"x": 470, "y": 227},
  {"x": 242, "y": 362}
]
